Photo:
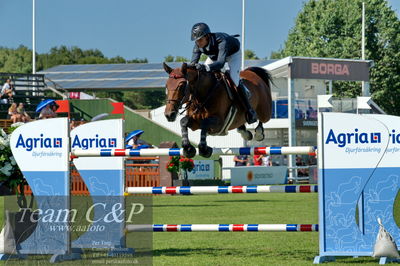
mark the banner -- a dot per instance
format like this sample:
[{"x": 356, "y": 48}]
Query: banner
[
  {"x": 203, "y": 169},
  {"x": 359, "y": 179},
  {"x": 104, "y": 178},
  {"x": 258, "y": 175}
]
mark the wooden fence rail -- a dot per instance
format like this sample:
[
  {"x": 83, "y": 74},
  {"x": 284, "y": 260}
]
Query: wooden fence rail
[{"x": 138, "y": 173}]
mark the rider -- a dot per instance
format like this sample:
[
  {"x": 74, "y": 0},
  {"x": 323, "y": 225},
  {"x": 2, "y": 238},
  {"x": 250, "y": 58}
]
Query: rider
[{"x": 220, "y": 48}]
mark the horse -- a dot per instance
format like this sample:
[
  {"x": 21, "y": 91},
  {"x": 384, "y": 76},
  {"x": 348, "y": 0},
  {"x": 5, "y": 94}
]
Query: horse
[{"x": 208, "y": 103}]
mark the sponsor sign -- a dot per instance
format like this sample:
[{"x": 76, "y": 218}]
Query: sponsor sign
[
  {"x": 42, "y": 145},
  {"x": 258, "y": 175},
  {"x": 104, "y": 178},
  {"x": 314, "y": 68},
  {"x": 358, "y": 180},
  {"x": 203, "y": 169}
]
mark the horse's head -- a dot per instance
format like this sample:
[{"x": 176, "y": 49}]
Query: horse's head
[
  {"x": 182, "y": 83},
  {"x": 176, "y": 90}
]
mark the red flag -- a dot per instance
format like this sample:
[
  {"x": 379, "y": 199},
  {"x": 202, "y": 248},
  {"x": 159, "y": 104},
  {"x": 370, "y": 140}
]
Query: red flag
[
  {"x": 75, "y": 95},
  {"x": 118, "y": 108},
  {"x": 64, "y": 106}
]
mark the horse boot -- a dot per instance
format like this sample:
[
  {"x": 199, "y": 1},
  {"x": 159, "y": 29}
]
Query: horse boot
[{"x": 251, "y": 116}]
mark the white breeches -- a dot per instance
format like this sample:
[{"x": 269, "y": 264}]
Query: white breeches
[{"x": 234, "y": 63}]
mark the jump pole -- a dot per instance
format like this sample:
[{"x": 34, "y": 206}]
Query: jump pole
[
  {"x": 189, "y": 190},
  {"x": 222, "y": 228},
  {"x": 304, "y": 150}
]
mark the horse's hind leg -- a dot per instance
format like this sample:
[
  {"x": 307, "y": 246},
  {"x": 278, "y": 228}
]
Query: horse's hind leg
[
  {"x": 259, "y": 135},
  {"x": 188, "y": 149},
  {"x": 245, "y": 133}
]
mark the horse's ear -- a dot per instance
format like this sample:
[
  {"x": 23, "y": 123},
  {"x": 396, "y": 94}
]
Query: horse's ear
[
  {"x": 184, "y": 69},
  {"x": 167, "y": 68}
]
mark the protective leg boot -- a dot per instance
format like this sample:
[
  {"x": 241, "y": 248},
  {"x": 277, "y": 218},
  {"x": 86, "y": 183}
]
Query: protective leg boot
[{"x": 251, "y": 116}]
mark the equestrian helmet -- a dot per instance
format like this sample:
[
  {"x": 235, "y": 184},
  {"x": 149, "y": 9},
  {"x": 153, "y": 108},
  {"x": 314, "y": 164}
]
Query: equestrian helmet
[{"x": 199, "y": 30}]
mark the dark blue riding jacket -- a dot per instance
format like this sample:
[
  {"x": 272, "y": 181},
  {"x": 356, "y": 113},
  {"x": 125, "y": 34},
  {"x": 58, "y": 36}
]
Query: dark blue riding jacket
[{"x": 220, "y": 46}]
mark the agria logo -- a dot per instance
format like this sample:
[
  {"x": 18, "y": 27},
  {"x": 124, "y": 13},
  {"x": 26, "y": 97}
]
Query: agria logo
[
  {"x": 40, "y": 142},
  {"x": 96, "y": 142},
  {"x": 342, "y": 139}
]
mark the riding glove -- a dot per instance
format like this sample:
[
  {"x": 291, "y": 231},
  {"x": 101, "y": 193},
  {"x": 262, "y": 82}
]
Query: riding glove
[{"x": 201, "y": 67}]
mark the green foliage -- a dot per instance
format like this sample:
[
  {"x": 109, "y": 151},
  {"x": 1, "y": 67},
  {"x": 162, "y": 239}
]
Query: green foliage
[
  {"x": 20, "y": 60},
  {"x": 250, "y": 54},
  {"x": 277, "y": 54},
  {"x": 203, "y": 57},
  {"x": 148, "y": 99},
  {"x": 179, "y": 162},
  {"x": 16, "y": 60},
  {"x": 10, "y": 174},
  {"x": 170, "y": 58},
  {"x": 332, "y": 28}
]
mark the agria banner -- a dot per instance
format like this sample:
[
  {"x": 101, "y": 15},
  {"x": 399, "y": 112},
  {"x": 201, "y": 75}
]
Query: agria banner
[
  {"x": 359, "y": 180},
  {"x": 104, "y": 177},
  {"x": 41, "y": 150}
]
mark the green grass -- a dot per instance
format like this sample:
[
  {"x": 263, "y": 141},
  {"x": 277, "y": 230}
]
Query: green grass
[
  {"x": 239, "y": 248},
  {"x": 228, "y": 248}
]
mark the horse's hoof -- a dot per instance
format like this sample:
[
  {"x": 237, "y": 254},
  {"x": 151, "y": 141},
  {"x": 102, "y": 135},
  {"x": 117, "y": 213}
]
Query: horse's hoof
[
  {"x": 189, "y": 151},
  {"x": 205, "y": 151},
  {"x": 246, "y": 135},
  {"x": 259, "y": 137}
]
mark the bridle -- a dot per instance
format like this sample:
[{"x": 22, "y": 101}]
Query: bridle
[
  {"x": 175, "y": 102},
  {"x": 187, "y": 94}
]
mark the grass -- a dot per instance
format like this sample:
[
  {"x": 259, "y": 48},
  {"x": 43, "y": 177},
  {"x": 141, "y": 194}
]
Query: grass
[{"x": 225, "y": 248}]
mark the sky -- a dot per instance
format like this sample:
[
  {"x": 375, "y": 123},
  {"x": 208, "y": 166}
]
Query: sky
[{"x": 149, "y": 29}]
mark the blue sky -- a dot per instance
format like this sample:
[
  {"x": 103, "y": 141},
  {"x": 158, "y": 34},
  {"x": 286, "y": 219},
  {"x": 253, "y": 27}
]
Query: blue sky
[{"x": 149, "y": 29}]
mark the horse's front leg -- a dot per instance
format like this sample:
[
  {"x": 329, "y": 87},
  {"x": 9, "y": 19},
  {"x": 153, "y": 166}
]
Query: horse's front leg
[
  {"x": 188, "y": 149},
  {"x": 204, "y": 150}
]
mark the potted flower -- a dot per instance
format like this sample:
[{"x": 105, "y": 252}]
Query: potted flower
[
  {"x": 12, "y": 178},
  {"x": 180, "y": 165},
  {"x": 10, "y": 174}
]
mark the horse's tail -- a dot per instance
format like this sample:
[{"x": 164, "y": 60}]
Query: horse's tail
[{"x": 262, "y": 73}]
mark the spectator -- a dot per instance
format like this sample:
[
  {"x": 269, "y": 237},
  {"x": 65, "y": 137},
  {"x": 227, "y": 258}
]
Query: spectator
[
  {"x": 6, "y": 92},
  {"x": 300, "y": 162},
  {"x": 266, "y": 161},
  {"x": 133, "y": 141},
  {"x": 13, "y": 114},
  {"x": 54, "y": 106},
  {"x": 21, "y": 111},
  {"x": 240, "y": 160},
  {"x": 258, "y": 159},
  {"x": 47, "y": 112}
]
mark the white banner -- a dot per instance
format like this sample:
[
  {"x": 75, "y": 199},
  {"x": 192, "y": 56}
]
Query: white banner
[
  {"x": 258, "y": 175},
  {"x": 203, "y": 169}
]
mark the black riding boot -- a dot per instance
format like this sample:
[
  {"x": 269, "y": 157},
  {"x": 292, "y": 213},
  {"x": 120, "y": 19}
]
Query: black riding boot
[{"x": 251, "y": 115}]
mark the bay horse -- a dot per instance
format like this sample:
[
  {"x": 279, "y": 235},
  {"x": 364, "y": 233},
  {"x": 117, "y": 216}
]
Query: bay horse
[{"x": 208, "y": 103}]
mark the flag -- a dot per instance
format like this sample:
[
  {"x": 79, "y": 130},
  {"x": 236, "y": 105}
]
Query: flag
[
  {"x": 75, "y": 95},
  {"x": 118, "y": 108},
  {"x": 64, "y": 106}
]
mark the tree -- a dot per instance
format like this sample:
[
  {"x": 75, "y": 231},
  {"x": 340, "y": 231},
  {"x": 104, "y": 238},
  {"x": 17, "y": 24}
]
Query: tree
[
  {"x": 332, "y": 28},
  {"x": 16, "y": 60},
  {"x": 170, "y": 58},
  {"x": 250, "y": 54},
  {"x": 181, "y": 59}
]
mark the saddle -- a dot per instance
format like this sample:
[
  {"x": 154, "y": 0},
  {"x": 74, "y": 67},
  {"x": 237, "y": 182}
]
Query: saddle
[{"x": 234, "y": 96}]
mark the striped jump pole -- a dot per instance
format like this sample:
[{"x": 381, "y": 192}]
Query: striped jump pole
[
  {"x": 189, "y": 190},
  {"x": 305, "y": 150},
  {"x": 222, "y": 228}
]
